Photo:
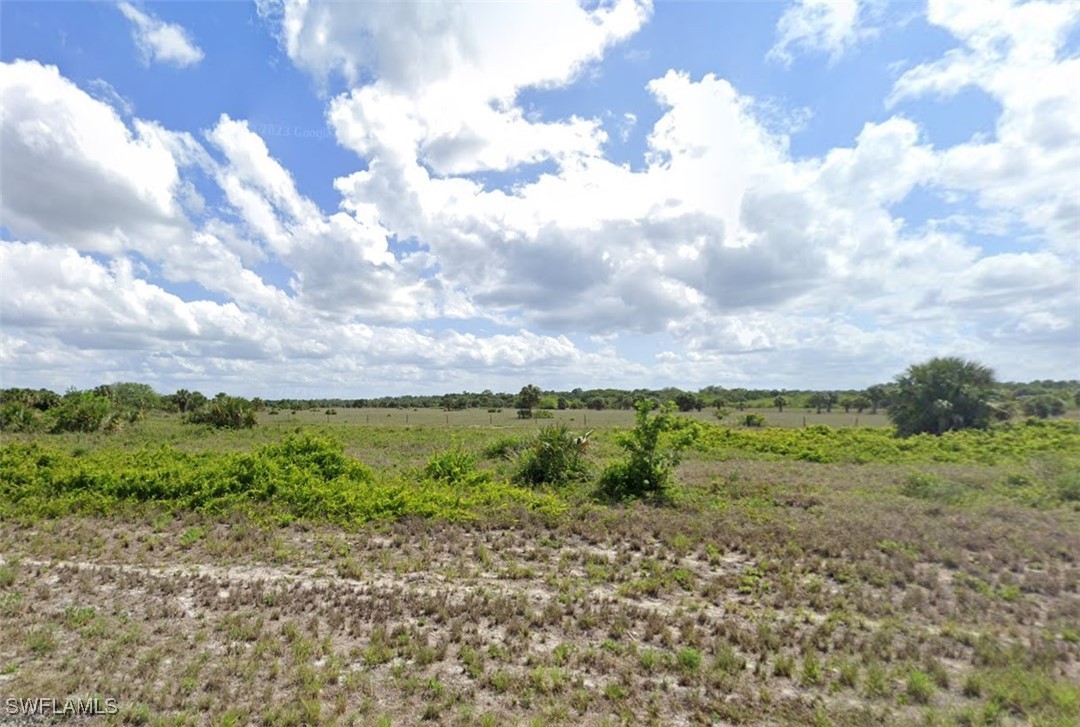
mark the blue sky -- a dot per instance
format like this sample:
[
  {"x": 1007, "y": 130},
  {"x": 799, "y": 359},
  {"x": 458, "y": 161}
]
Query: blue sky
[{"x": 291, "y": 199}]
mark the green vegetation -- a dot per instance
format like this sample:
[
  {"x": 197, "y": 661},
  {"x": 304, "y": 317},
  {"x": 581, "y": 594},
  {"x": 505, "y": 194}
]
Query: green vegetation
[
  {"x": 1005, "y": 443},
  {"x": 306, "y": 477},
  {"x": 466, "y": 567},
  {"x": 556, "y": 457},
  {"x": 653, "y": 449},
  {"x": 225, "y": 412},
  {"x": 942, "y": 395}
]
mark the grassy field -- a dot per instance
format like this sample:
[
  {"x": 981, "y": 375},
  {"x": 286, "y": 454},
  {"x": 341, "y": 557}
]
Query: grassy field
[
  {"x": 582, "y": 418},
  {"x": 354, "y": 572}
]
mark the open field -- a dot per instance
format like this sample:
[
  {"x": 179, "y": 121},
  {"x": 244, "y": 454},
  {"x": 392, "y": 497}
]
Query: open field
[
  {"x": 574, "y": 417},
  {"x": 798, "y": 577}
]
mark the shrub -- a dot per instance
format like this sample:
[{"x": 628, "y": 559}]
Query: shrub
[
  {"x": 654, "y": 447},
  {"x": 506, "y": 447},
  {"x": 83, "y": 411},
  {"x": 555, "y": 457},
  {"x": 920, "y": 687},
  {"x": 455, "y": 466},
  {"x": 225, "y": 412},
  {"x": 18, "y": 417},
  {"x": 753, "y": 420},
  {"x": 1044, "y": 407}
]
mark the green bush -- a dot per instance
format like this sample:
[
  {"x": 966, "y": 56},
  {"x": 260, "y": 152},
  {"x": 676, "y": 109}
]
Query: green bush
[
  {"x": 225, "y": 412},
  {"x": 83, "y": 411},
  {"x": 455, "y": 466},
  {"x": 18, "y": 417},
  {"x": 555, "y": 457},
  {"x": 1003, "y": 443},
  {"x": 941, "y": 395},
  {"x": 506, "y": 447},
  {"x": 653, "y": 448},
  {"x": 1044, "y": 406},
  {"x": 753, "y": 420}
]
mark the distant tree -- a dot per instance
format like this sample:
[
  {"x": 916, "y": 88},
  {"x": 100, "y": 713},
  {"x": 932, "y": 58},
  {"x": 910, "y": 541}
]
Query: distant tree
[
  {"x": 780, "y": 402},
  {"x": 942, "y": 394},
  {"x": 861, "y": 403},
  {"x": 596, "y": 403},
  {"x": 878, "y": 395},
  {"x": 562, "y": 403},
  {"x": 831, "y": 398},
  {"x": 197, "y": 400},
  {"x": 182, "y": 400},
  {"x": 528, "y": 398},
  {"x": 847, "y": 402},
  {"x": 1076, "y": 398},
  {"x": 819, "y": 400},
  {"x": 689, "y": 402}
]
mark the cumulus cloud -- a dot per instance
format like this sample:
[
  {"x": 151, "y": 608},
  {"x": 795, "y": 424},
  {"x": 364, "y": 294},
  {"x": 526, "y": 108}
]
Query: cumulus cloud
[
  {"x": 444, "y": 77},
  {"x": 1012, "y": 52},
  {"x": 159, "y": 41},
  {"x": 72, "y": 171},
  {"x": 731, "y": 255},
  {"x": 100, "y": 312}
]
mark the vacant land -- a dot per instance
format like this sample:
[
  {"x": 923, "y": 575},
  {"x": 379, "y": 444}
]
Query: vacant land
[{"x": 799, "y": 576}]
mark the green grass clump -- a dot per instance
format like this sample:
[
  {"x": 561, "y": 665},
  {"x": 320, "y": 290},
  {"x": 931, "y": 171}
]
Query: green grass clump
[{"x": 555, "y": 457}]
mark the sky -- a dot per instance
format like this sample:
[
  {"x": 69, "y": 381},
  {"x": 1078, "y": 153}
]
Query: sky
[{"x": 292, "y": 198}]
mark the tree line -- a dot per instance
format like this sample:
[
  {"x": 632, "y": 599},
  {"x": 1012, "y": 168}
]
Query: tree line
[{"x": 935, "y": 396}]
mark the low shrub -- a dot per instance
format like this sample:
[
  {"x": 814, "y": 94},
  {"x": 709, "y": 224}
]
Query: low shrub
[
  {"x": 555, "y": 457},
  {"x": 301, "y": 477},
  {"x": 18, "y": 417},
  {"x": 654, "y": 448},
  {"x": 507, "y": 447},
  {"x": 753, "y": 420},
  {"x": 226, "y": 412},
  {"x": 455, "y": 466}
]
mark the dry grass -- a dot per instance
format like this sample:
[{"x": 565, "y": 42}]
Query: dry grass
[{"x": 773, "y": 592}]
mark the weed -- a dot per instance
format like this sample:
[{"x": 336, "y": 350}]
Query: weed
[{"x": 920, "y": 686}]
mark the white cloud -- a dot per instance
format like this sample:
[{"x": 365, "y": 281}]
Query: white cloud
[
  {"x": 1013, "y": 53},
  {"x": 160, "y": 41},
  {"x": 71, "y": 170},
  {"x": 447, "y": 75},
  {"x": 832, "y": 27},
  {"x": 102, "y": 314},
  {"x": 717, "y": 257}
]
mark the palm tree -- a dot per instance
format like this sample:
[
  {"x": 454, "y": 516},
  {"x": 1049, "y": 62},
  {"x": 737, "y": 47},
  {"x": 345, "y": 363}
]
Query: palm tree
[
  {"x": 942, "y": 394},
  {"x": 780, "y": 402},
  {"x": 528, "y": 398}
]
